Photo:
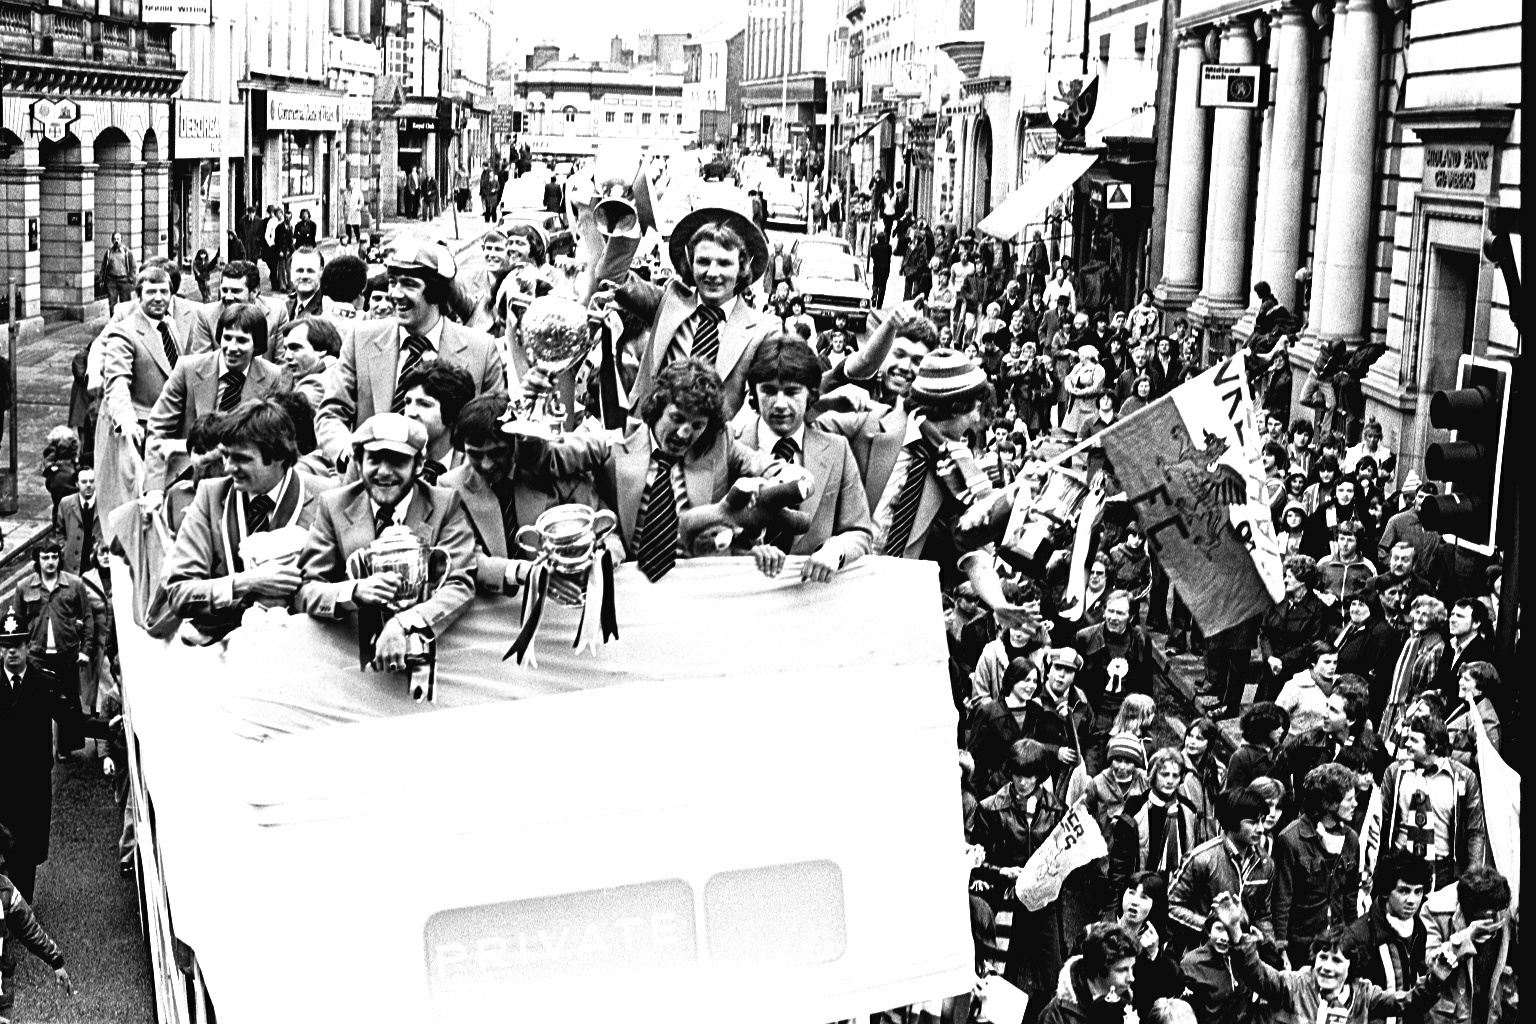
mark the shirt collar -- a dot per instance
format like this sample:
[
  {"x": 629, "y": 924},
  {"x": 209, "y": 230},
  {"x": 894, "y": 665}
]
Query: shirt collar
[
  {"x": 728, "y": 308},
  {"x": 400, "y": 509},
  {"x": 434, "y": 336},
  {"x": 1439, "y": 766},
  {"x": 914, "y": 430},
  {"x": 766, "y": 438}
]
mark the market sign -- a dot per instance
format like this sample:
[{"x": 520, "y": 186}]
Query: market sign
[
  {"x": 1464, "y": 168},
  {"x": 177, "y": 12},
  {"x": 303, "y": 112},
  {"x": 1240, "y": 86}
]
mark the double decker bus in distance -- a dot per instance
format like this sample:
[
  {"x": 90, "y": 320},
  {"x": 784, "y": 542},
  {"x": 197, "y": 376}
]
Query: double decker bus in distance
[{"x": 744, "y": 808}]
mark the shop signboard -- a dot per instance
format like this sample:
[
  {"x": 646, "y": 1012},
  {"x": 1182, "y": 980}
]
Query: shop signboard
[
  {"x": 177, "y": 12},
  {"x": 202, "y": 132},
  {"x": 303, "y": 112},
  {"x": 1240, "y": 86}
]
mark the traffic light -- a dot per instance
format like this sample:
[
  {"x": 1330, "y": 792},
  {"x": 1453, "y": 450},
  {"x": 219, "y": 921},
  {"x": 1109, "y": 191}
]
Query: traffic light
[{"x": 1471, "y": 463}]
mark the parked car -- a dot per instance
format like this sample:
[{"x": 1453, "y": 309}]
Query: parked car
[
  {"x": 834, "y": 284},
  {"x": 813, "y": 246},
  {"x": 786, "y": 203}
]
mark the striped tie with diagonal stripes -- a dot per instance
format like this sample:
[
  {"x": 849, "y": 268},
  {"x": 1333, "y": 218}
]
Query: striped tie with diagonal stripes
[
  {"x": 415, "y": 347},
  {"x": 656, "y": 532},
  {"x": 920, "y": 460},
  {"x": 232, "y": 383},
  {"x": 706, "y": 334}
]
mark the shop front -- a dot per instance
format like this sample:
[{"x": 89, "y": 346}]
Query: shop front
[
  {"x": 203, "y": 130},
  {"x": 417, "y": 128},
  {"x": 298, "y": 156}
]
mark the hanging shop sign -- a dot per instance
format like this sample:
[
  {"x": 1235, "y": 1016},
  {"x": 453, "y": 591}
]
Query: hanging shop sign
[{"x": 1241, "y": 86}]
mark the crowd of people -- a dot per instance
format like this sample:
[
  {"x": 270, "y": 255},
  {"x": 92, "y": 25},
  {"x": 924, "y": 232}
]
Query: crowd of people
[{"x": 1335, "y": 867}]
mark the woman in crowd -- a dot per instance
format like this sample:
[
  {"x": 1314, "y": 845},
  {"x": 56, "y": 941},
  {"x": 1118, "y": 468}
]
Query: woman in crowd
[
  {"x": 1204, "y": 776},
  {"x": 1366, "y": 645},
  {"x": 1144, "y": 319},
  {"x": 1414, "y": 672},
  {"x": 1476, "y": 683},
  {"x": 1082, "y": 387}
]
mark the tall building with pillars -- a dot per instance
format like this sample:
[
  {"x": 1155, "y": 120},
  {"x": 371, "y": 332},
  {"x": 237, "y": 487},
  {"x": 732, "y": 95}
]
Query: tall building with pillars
[
  {"x": 1393, "y": 128},
  {"x": 83, "y": 151}
]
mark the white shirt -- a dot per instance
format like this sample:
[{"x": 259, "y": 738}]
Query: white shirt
[
  {"x": 766, "y": 439},
  {"x": 434, "y": 339},
  {"x": 893, "y": 487}
]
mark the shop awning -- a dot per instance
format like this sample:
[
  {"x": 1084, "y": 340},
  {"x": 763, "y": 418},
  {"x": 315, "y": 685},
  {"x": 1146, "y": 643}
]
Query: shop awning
[{"x": 1030, "y": 199}]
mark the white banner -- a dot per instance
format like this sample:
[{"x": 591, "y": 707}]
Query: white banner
[
  {"x": 1075, "y": 841},
  {"x": 1501, "y": 808}
]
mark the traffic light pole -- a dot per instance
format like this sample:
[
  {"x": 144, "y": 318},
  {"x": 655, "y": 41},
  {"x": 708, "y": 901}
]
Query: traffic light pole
[{"x": 1515, "y": 488}]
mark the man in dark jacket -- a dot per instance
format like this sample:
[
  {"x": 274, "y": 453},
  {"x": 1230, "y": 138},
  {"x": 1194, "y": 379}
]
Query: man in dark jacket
[
  {"x": 58, "y": 612},
  {"x": 1292, "y": 626},
  {"x": 1317, "y": 864},
  {"x": 1388, "y": 943},
  {"x": 1118, "y": 659},
  {"x": 1263, "y": 725},
  {"x": 879, "y": 268},
  {"x": 1343, "y": 738},
  {"x": 1231, "y": 863},
  {"x": 1215, "y": 992}
]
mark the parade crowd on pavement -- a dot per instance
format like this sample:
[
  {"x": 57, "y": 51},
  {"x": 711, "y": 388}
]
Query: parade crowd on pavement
[{"x": 1335, "y": 868}]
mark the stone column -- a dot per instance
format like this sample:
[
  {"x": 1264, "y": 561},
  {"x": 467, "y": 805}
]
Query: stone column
[
  {"x": 353, "y": 18},
  {"x": 1223, "y": 295},
  {"x": 20, "y": 195},
  {"x": 1332, "y": 116},
  {"x": 119, "y": 206},
  {"x": 1352, "y": 107},
  {"x": 157, "y": 210},
  {"x": 1285, "y": 206},
  {"x": 338, "y": 19},
  {"x": 1266, "y": 160},
  {"x": 365, "y": 19},
  {"x": 67, "y": 264},
  {"x": 1186, "y": 182}
]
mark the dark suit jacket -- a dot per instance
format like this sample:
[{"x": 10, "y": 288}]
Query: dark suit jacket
[
  {"x": 196, "y": 570},
  {"x": 344, "y": 524},
  {"x": 839, "y": 511},
  {"x": 192, "y": 390},
  {"x": 71, "y": 523},
  {"x": 292, "y": 310},
  {"x": 363, "y": 380},
  {"x": 26, "y": 763}
]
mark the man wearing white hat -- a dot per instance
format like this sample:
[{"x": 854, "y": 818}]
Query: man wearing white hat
[
  {"x": 717, "y": 253},
  {"x": 388, "y": 451},
  {"x": 914, "y": 459},
  {"x": 376, "y": 355}
]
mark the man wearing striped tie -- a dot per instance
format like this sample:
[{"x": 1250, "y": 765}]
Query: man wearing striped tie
[
  {"x": 701, "y": 314},
  {"x": 377, "y": 354},
  {"x": 919, "y": 476},
  {"x": 207, "y": 581},
  {"x": 218, "y": 381}
]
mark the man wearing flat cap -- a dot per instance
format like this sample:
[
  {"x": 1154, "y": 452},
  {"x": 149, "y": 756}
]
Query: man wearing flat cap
[
  {"x": 700, "y": 314},
  {"x": 917, "y": 469},
  {"x": 388, "y": 451},
  {"x": 376, "y": 355}
]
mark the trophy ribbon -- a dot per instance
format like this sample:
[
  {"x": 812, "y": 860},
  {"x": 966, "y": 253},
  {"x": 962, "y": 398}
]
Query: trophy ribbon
[
  {"x": 534, "y": 592},
  {"x": 590, "y": 636},
  {"x": 417, "y": 688}
]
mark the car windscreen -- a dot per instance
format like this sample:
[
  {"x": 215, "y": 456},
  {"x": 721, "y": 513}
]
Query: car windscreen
[{"x": 832, "y": 270}]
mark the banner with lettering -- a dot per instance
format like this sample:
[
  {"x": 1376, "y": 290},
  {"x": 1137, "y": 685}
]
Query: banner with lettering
[
  {"x": 1075, "y": 841},
  {"x": 1501, "y": 799},
  {"x": 1189, "y": 463}
]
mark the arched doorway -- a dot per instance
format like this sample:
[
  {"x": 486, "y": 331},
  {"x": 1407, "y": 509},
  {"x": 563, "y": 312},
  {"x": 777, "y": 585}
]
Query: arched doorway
[
  {"x": 981, "y": 169},
  {"x": 67, "y": 196},
  {"x": 158, "y": 225},
  {"x": 119, "y": 204},
  {"x": 21, "y": 237}
]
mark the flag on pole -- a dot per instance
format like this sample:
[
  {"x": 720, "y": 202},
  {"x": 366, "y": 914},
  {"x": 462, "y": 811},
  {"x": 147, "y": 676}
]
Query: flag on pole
[
  {"x": 1501, "y": 808},
  {"x": 1075, "y": 841},
  {"x": 1190, "y": 465}
]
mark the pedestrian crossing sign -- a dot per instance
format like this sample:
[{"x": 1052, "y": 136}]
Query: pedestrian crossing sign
[{"x": 1117, "y": 196}]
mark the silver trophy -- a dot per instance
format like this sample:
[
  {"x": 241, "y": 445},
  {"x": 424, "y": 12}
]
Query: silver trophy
[
  {"x": 420, "y": 570},
  {"x": 557, "y": 333},
  {"x": 565, "y": 540}
]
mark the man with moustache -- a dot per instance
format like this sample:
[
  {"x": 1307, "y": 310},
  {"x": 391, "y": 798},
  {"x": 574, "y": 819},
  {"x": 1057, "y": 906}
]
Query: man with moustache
[
  {"x": 239, "y": 282},
  {"x": 388, "y": 449},
  {"x": 378, "y": 354},
  {"x": 206, "y": 580}
]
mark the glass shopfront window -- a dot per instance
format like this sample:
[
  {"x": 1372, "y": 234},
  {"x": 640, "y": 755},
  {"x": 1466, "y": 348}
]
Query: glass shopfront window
[{"x": 298, "y": 163}]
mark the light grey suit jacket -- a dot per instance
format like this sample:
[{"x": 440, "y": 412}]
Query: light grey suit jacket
[
  {"x": 876, "y": 437},
  {"x": 740, "y": 335},
  {"x": 191, "y": 391},
  {"x": 362, "y": 382},
  {"x": 839, "y": 510},
  {"x": 134, "y": 366},
  {"x": 206, "y": 321}
]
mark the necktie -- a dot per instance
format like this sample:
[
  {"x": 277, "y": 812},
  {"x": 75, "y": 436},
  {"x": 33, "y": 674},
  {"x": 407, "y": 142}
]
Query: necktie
[
  {"x": 506, "y": 497},
  {"x": 383, "y": 519},
  {"x": 706, "y": 334},
  {"x": 784, "y": 450},
  {"x": 88, "y": 542},
  {"x": 920, "y": 461},
  {"x": 172, "y": 353},
  {"x": 656, "y": 533},
  {"x": 259, "y": 515},
  {"x": 415, "y": 347},
  {"x": 232, "y": 383},
  {"x": 431, "y": 469}
]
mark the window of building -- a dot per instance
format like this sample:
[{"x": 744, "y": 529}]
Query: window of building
[
  {"x": 608, "y": 116},
  {"x": 570, "y": 115},
  {"x": 629, "y": 117},
  {"x": 645, "y": 118},
  {"x": 664, "y": 118},
  {"x": 1141, "y": 40},
  {"x": 298, "y": 152}
]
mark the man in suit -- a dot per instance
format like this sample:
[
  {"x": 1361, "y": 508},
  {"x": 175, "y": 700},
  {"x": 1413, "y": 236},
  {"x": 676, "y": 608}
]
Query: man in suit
[
  {"x": 1467, "y": 641},
  {"x": 239, "y": 281},
  {"x": 784, "y": 380},
  {"x": 388, "y": 450},
  {"x": 918, "y": 474},
  {"x": 435, "y": 393},
  {"x": 700, "y": 314},
  {"x": 206, "y": 578},
  {"x": 79, "y": 521},
  {"x": 679, "y": 457},
  {"x": 505, "y": 484},
  {"x": 377, "y": 354},
  {"x": 211, "y": 382},
  {"x": 305, "y": 266},
  {"x": 26, "y": 756}
]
